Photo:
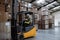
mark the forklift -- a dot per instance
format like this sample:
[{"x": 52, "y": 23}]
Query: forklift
[
  {"x": 26, "y": 24},
  {"x": 17, "y": 21}
]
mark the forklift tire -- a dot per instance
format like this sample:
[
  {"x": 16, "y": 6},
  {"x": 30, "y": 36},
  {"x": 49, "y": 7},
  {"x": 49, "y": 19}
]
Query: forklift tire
[{"x": 21, "y": 37}]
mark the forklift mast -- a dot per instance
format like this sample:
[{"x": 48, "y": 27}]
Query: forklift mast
[{"x": 14, "y": 11}]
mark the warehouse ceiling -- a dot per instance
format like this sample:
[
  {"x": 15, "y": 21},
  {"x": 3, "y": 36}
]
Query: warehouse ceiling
[{"x": 50, "y": 4}]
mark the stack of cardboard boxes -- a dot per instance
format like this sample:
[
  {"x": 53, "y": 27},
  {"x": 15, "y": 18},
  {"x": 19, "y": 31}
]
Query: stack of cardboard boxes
[
  {"x": 3, "y": 19},
  {"x": 46, "y": 20}
]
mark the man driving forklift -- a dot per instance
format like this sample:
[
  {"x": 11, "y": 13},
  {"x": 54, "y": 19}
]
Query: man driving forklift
[{"x": 26, "y": 22}]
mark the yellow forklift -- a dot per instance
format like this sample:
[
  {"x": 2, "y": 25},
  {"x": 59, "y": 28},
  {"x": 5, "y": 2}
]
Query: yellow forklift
[
  {"x": 20, "y": 30},
  {"x": 27, "y": 29}
]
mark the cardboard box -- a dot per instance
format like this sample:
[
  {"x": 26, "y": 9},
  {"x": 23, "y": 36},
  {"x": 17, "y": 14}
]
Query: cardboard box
[{"x": 2, "y": 13}]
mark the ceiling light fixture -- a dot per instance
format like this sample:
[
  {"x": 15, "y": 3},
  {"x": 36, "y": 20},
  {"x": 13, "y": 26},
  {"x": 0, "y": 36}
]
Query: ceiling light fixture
[{"x": 40, "y": 1}]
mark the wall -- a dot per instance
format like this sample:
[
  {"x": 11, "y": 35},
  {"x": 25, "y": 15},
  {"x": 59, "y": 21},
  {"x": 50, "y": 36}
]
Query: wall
[{"x": 56, "y": 18}]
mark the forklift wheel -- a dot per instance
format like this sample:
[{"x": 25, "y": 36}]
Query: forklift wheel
[{"x": 21, "y": 37}]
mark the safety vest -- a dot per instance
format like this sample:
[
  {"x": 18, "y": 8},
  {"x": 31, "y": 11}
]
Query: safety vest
[{"x": 27, "y": 22}]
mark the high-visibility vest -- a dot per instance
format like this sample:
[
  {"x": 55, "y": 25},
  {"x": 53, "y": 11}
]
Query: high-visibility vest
[{"x": 27, "y": 22}]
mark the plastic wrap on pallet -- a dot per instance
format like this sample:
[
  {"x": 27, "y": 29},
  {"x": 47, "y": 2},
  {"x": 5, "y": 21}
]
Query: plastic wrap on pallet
[
  {"x": 53, "y": 25},
  {"x": 50, "y": 17},
  {"x": 5, "y": 30},
  {"x": 45, "y": 11},
  {"x": 45, "y": 17},
  {"x": 46, "y": 26},
  {"x": 46, "y": 21}
]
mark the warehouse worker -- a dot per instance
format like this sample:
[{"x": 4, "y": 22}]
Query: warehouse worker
[{"x": 26, "y": 22}]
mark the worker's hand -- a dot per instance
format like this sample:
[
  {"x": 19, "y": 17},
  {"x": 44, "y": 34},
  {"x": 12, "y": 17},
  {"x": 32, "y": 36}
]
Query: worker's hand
[{"x": 18, "y": 33}]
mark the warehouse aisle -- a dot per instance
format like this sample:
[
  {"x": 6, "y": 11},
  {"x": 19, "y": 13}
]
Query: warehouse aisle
[{"x": 51, "y": 34}]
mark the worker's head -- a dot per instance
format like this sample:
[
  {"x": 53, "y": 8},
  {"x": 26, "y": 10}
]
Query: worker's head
[{"x": 27, "y": 18}]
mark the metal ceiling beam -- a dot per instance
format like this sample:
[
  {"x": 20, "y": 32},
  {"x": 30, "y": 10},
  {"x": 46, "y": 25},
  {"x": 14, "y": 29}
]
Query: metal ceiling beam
[
  {"x": 54, "y": 11},
  {"x": 47, "y": 4},
  {"x": 54, "y": 7},
  {"x": 32, "y": 1}
]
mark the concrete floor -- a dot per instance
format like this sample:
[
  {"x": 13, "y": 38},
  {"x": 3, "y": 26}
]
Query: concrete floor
[{"x": 51, "y": 34}]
